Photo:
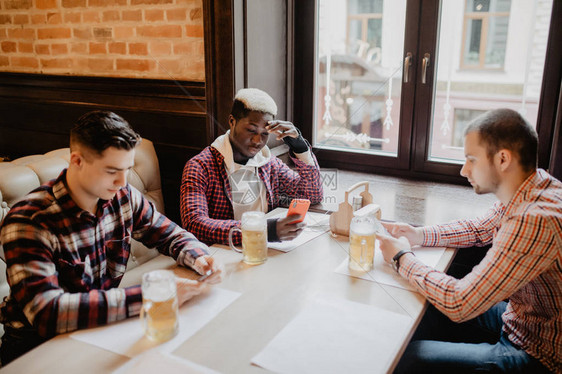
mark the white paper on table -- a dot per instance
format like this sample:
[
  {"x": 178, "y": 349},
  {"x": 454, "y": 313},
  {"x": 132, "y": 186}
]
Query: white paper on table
[
  {"x": 337, "y": 336},
  {"x": 316, "y": 225},
  {"x": 385, "y": 274},
  {"x": 127, "y": 337},
  {"x": 155, "y": 361}
]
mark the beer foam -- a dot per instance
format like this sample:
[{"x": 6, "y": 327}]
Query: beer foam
[
  {"x": 253, "y": 224},
  {"x": 363, "y": 228}
]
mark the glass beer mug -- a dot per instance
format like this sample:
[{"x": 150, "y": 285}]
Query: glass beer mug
[
  {"x": 254, "y": 238},
  {"x": 362, "y": 243},
  {"x": 159, "y": 313}
]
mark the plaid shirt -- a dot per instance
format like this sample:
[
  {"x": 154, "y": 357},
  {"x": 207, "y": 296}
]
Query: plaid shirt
[
  {"x": 524, "y": 264},
  {"x": 64, "y": 264},
  {"x": 205, "y": 203}
]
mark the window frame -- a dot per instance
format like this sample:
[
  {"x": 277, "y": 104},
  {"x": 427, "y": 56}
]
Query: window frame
[{"x": 485, "y": 17}]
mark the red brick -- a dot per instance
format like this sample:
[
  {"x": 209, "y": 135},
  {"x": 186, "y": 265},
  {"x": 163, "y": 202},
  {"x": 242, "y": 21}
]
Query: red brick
[
  {"x": 24, "y": 62},
  {"x": 5, "y": 18},
  {"x": 42, "y": 49},
  {"x": 25, "y": 47},
  {"x": 97, "y": 48},
  {"x": 100, "y": 64},
  {"x": 54, "y": 18},
  {"x": 137, "y": 2},
  {"x": 79, "y": 48},
  {"x": 21, "y": 19},
  {"x": 160, "y": 48},
  {"x": 195, "y": 31},
  {"x": 73, "y": 3},
  {"x": 90, "y": 17},
  {"x": 103, "y": 32},
  {"x": 4, "y": 61},
  {"x": 38, "y": 18},
  {"x": 82, "y": 33},
  {"x": 54, "y": 33},
  {"x": 106, "y": 3},
  {"x": 117, "y": 47},
  {"x": 72, "y": 17},
  {"x": 170, "y": 67},
  {"x": 151, "y": 15},
  {"x": 176, "y": 14},
  {"x": 132, "y": 15},
  {"x": 18, "y": 4},
  {"x": 165, "y": 31},
  {"x": 56, "y": 63},
  {"x": 195, "y": 14},
  {"x": 110, "y": 15},
  {"x": 135, "y": 64},
  {"x": 80, "y": 64},
  {"x": 123, "y": 32},
  {"x": 184, "y": 48},
  {"x": 59, "y": 49},
  {"x": 8, "y": 47},
  {"x": 45, "y": 4},
  {"x": 21, "y": 33},
  {"x": 3, "y": 33},
  {"x": 138, "y": 49}
]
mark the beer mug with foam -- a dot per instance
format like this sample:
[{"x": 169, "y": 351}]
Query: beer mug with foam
[
  {"x": 362, "y": 243},
  {"x": 159, "y": 313},
  {"x": 254, "y": 237}
]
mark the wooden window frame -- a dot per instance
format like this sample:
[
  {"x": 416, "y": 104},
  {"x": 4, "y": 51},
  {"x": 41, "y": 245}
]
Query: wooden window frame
[{"x": 485, "y": 17}]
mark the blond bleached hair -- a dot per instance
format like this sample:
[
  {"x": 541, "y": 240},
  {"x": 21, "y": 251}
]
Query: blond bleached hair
[{"x": 254, "y": 99}]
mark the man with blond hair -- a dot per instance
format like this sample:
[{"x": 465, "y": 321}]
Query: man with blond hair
[{"x": 238, "y": 173}]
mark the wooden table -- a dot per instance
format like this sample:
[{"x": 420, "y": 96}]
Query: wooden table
[{"x": 272, "y": 294}]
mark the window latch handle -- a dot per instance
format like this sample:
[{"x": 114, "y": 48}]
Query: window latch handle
[
  {"x": 425, "y": 65},
  {"x": 407, "y": 63}
]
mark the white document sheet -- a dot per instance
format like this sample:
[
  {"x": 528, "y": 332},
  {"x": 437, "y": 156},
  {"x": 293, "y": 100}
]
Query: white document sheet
[
  {"x": 316, "y": 225},
  {"x": 127, "y": 337},
  {"x": 154, "y": 361},
  {"x": 385, "y": 274},
  {"x": 337, "y": 336}
]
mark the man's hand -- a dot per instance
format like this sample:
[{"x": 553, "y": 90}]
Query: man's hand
[
  {"x": 288, "y": 231},
  {"x": 413, "y": 234},
  {"x": 391, "y": 246},
  {"x": 187, "y": 288},
  {"x": 204, "y": 264},
  {"x": 282, "y": 129}
]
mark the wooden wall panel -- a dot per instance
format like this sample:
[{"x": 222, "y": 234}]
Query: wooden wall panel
[{"x": 38, "y": 112}]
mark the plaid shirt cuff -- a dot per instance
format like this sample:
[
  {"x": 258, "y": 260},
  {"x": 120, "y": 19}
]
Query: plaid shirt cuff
[{"x": 133, "y": 300}]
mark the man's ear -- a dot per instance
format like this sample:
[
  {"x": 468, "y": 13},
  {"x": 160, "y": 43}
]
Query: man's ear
[
  {"x": 76, "y": 158},
  {"x": 504, "y": 159},
  {"x": 231, "y": 122}
]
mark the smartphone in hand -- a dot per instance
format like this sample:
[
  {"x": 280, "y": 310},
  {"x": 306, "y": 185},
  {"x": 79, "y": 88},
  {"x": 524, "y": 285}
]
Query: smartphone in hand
[{"x": 300, "y": 207}]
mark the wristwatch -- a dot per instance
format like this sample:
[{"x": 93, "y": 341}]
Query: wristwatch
[{"x": 396, "y": 258}]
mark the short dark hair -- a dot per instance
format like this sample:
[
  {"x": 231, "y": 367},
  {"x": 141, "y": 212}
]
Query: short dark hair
[
  {"x": 99, "y": 130},
  {"x": 507, "y": 129},
  {"x": 239, "y": 110}
]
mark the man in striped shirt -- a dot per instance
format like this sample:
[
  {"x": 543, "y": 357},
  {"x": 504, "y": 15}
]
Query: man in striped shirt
[
  {"x": 67, "y": 243},
  {"x": 483, "y": 331}
]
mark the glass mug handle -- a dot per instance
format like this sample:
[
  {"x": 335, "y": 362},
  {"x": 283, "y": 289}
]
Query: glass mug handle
[
  {"x": 143, "y": 315},
  {"x": 232, "y": 246}
]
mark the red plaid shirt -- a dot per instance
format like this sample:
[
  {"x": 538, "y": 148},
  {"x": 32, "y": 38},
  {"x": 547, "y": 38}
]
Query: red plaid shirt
[
  {"x": 205, "y": 202},
  {"x": 64, "y": 264},
  {"x": 524, "y": 264}
]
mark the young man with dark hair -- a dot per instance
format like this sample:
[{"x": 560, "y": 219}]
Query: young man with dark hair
[
  {"x": 471, "y": 328},
  {"x": 237, "y": 173},
  {"x": 67, "y": 242}
]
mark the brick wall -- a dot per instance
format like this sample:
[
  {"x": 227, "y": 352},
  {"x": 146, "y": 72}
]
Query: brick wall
[{"x": 117, "y": 38}]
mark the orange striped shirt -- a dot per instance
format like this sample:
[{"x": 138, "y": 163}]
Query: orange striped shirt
[{"x": 524, "y": 264}]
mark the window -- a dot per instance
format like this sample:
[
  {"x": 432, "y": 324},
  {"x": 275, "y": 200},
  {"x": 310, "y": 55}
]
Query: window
[
  {"x": 364, "y": 28},
  {"x": 461, "y": 119},
  {"x": 485, "y": 33}
]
